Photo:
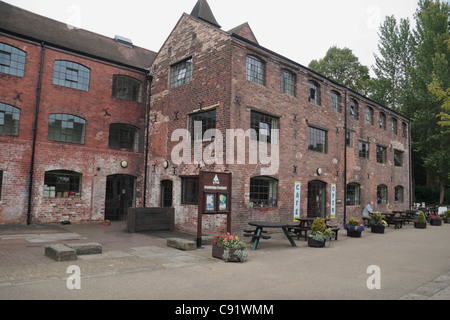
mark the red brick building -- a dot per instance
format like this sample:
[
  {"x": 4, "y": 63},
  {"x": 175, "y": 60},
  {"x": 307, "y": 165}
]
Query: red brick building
[
  {"x": 226, "y": 80},
  {"x": 73, "y": 110},
  {"x": 86, "y": 160}
]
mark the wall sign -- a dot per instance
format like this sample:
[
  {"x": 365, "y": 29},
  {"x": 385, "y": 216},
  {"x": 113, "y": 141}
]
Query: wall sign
[
  {"x": 333, "y": 201},
  {"x": 297, "y": 189}
]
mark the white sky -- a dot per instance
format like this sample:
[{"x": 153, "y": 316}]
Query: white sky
[{"x": 297, "y": 29}]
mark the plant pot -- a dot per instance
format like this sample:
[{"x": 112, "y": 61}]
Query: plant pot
[
  {"x": 446, "y": 220},
  {"x": 420, "y": 225},
  {"x": 354, "y": 233},
  {"x": 106, "y": 223},
  {"x": 315, "y": 243},
  {"x": 377, "y": 229},
  {"x": 217, "y": 252},
  {"x": 436, "y": 222}
]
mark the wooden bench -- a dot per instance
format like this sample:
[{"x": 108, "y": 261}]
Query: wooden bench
[
  {"x": 335, "y": 229},
  {"x": 397, "y": 222},
  {"x": 366, "y": 221},
  {"x": 299, "y": 231}
]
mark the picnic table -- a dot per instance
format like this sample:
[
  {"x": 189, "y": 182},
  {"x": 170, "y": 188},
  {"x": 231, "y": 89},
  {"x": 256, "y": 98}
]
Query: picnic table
[
  {"x": 301, "y": 230},
  {"x": 260, "y": 225},
  {"x": 392, "y": 218}
]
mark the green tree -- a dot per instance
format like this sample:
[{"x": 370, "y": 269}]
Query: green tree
[{"x": 342, "y": 66}]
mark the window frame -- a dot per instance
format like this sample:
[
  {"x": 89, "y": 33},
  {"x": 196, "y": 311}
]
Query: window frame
[
  {"x": 71, "y": 75},
  {"x": 57, "y": 179},
  {"x": 14, "y": 124},
  {"x": 353, "y": 106},
  {"x": 382, "y": 121},
  {"x": 382, "y": 194},
  {"x": 398, "y": 158},
  {"x": 66, "y": 117},
  {"x": 255, "y": 70},
  {"x": 394, "y": 126},
  {"x": 381, "y": 154},
  {"x": 316, "y": 135},
  {"x": 369, "y": 115},
  {"x": 208, "y": 122},
  {"x": 14, "y": 62},
  {"x": 124, "y": 88},
  {"x": 398, "y": 194},
  {"x": 314, "y": 96},
  {"x": 288, "y": 81},
  {"x": 271, "y": 125},
  {"x": 356, "y": 201},
  {"x": 116, "y": 130},
  {"x": 335, "y": 101},
  {"x": 363, "y": 154},
  {"x": 263, "y": 192},
  {"x": 194, "y": 183},
  {"x": 181, "y": 73}
]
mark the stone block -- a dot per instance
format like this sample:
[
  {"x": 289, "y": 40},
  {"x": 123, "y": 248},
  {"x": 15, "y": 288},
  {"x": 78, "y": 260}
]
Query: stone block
[
  {"x": 60, "y": 252},
  {"x": 182, "y": 244},
  {"x": 86, "y": 248}
]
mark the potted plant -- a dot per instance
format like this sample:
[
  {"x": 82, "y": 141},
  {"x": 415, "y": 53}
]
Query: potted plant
[
  {"x": 447, "y": 216},
  {"x": 354, "y": 228},
  {"x": 377, "y": 223},
  {"x": 421, "y": 222},
  {"x": 435, "y": 220},
  {"x": 319, "y": 234},
  {"x": 229, "y": 248}
]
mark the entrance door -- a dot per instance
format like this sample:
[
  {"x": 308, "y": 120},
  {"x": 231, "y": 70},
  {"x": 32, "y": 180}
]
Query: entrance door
[
  {"x": 166, "y": 193},
  {"x": 317, "y": 199},
  {"x": 120, "y": 195}
]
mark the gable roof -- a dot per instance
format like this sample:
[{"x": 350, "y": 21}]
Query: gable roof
[
  {"x": 203, "y": 11},
  {"x": 24, "y": 24}
]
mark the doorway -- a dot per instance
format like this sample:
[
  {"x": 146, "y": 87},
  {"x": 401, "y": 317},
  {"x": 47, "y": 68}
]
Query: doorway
[
  {"x": 166, "y": 193},
  {"x": 317, "y": 199},
  {"x": 120, "y": 195}
]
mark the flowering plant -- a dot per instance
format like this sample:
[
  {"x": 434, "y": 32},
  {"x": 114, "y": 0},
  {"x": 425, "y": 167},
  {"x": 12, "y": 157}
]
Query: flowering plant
[
  {"x": 435, "y": 217},
  {"x": 377, "y": 220},
  {"x": 227, "y": 240},
  {"x": 319, "y": 230},
  {"x": 354, "y": 225},
  {"x": 420, "y": 217}
]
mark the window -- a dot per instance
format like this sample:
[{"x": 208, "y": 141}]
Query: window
[
  {"x": 166, "y": 194},
  {"x": 71, "y": 75},
  {"x": 354, "y": 113},
  {"x": 382, "y": 121},
  {"x": 369, "y": 115},
  {"x": 205, "y": 120},
  {"x": 62, "y": 184},
  {"x": 265, "y": 126},
  {"x": 381, "y": 154},
  {"x": 394, "y": 126},
  {"x": 364, "y": 149},
  {"x": 398, "y": 158},
  {"x": 313, "y": 92},
  {"x": 317, "y": 140},
  {"x": 335, "y": 101},
  {"x": 66, "y": 128},
  {"x": 1, "y": 183},
  {"x": 255, "y": 70},
  {"x": 12, "y": 60},
  {"x": 288, "y": 82},
  {"x": 123, "y": 136},
  {"x": 382, "y": 194},
  {"x": 189, "y": 190},
  {"x": 181, "y": 73},
  {"x": 263, "y": 192},
  {"x": 126, "y": 88},
  {"x": 398, "y": 194},
  {"x": 404, "y": 130},
  {"x": 349, "y": 138},
  {"x": 353, "y": 194},
  {"x": 9, "y": 120}
]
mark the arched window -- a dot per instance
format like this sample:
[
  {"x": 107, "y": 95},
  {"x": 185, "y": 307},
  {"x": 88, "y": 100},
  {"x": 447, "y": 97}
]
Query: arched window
[
  {"x": 398, "y": 194},
  {"x": 382, "y": 121},
  {"x": 263, "y": 192},
  {"x": 62, "y": 184},
  {"x": 353, "y": 194},
  {"x": 354, "y": 113},
  {"x": 12, "y": 60},
  {"x": 255, "y": 70},
  {"x": 9, "y": 120},
  {"x": 382, "y": 194},
  {"x": 369, "y": 115},
  {"x": 66, "y": 128},
  {"x": 123, "y": 136},
  {"x": 313, "y": 92},
  {"x": 335, "y": 101},
  {"x": 126, "y": 88},
  {"x": 71, "y": 75}
]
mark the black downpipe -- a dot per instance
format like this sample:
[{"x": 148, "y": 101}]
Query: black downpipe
[
  {"x": 345, "y": 159},
  {"x": 149, "y": 95},
  {"x": 35, "y": 129}
]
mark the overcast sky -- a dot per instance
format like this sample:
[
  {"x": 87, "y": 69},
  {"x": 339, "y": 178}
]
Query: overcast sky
[{"x": 297, "y": 29}]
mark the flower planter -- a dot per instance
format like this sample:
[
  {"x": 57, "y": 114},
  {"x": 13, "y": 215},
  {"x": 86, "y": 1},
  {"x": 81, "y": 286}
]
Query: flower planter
[
  {"x": 446, "y": 220},
  {"x": 217, "y": 252},
  {"x": 420, "y": 225},
  {"x": 315, "y": 243},
  {"x": 106, "y": 223},
  {"x": 354, "y": 233},
  {"x": 377, "y": 229},
  {"x": 436, "y": 222}
]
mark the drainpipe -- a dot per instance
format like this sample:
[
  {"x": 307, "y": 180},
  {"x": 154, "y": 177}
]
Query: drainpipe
[
  {"x": 149, "y": 91},
  {"x": 35, "y": 129},
  {"x": 345, "y": 158}
]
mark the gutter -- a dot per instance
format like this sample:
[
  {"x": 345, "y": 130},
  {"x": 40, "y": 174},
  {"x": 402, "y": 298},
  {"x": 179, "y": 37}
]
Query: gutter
[{"x": 35, "y": 128}]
